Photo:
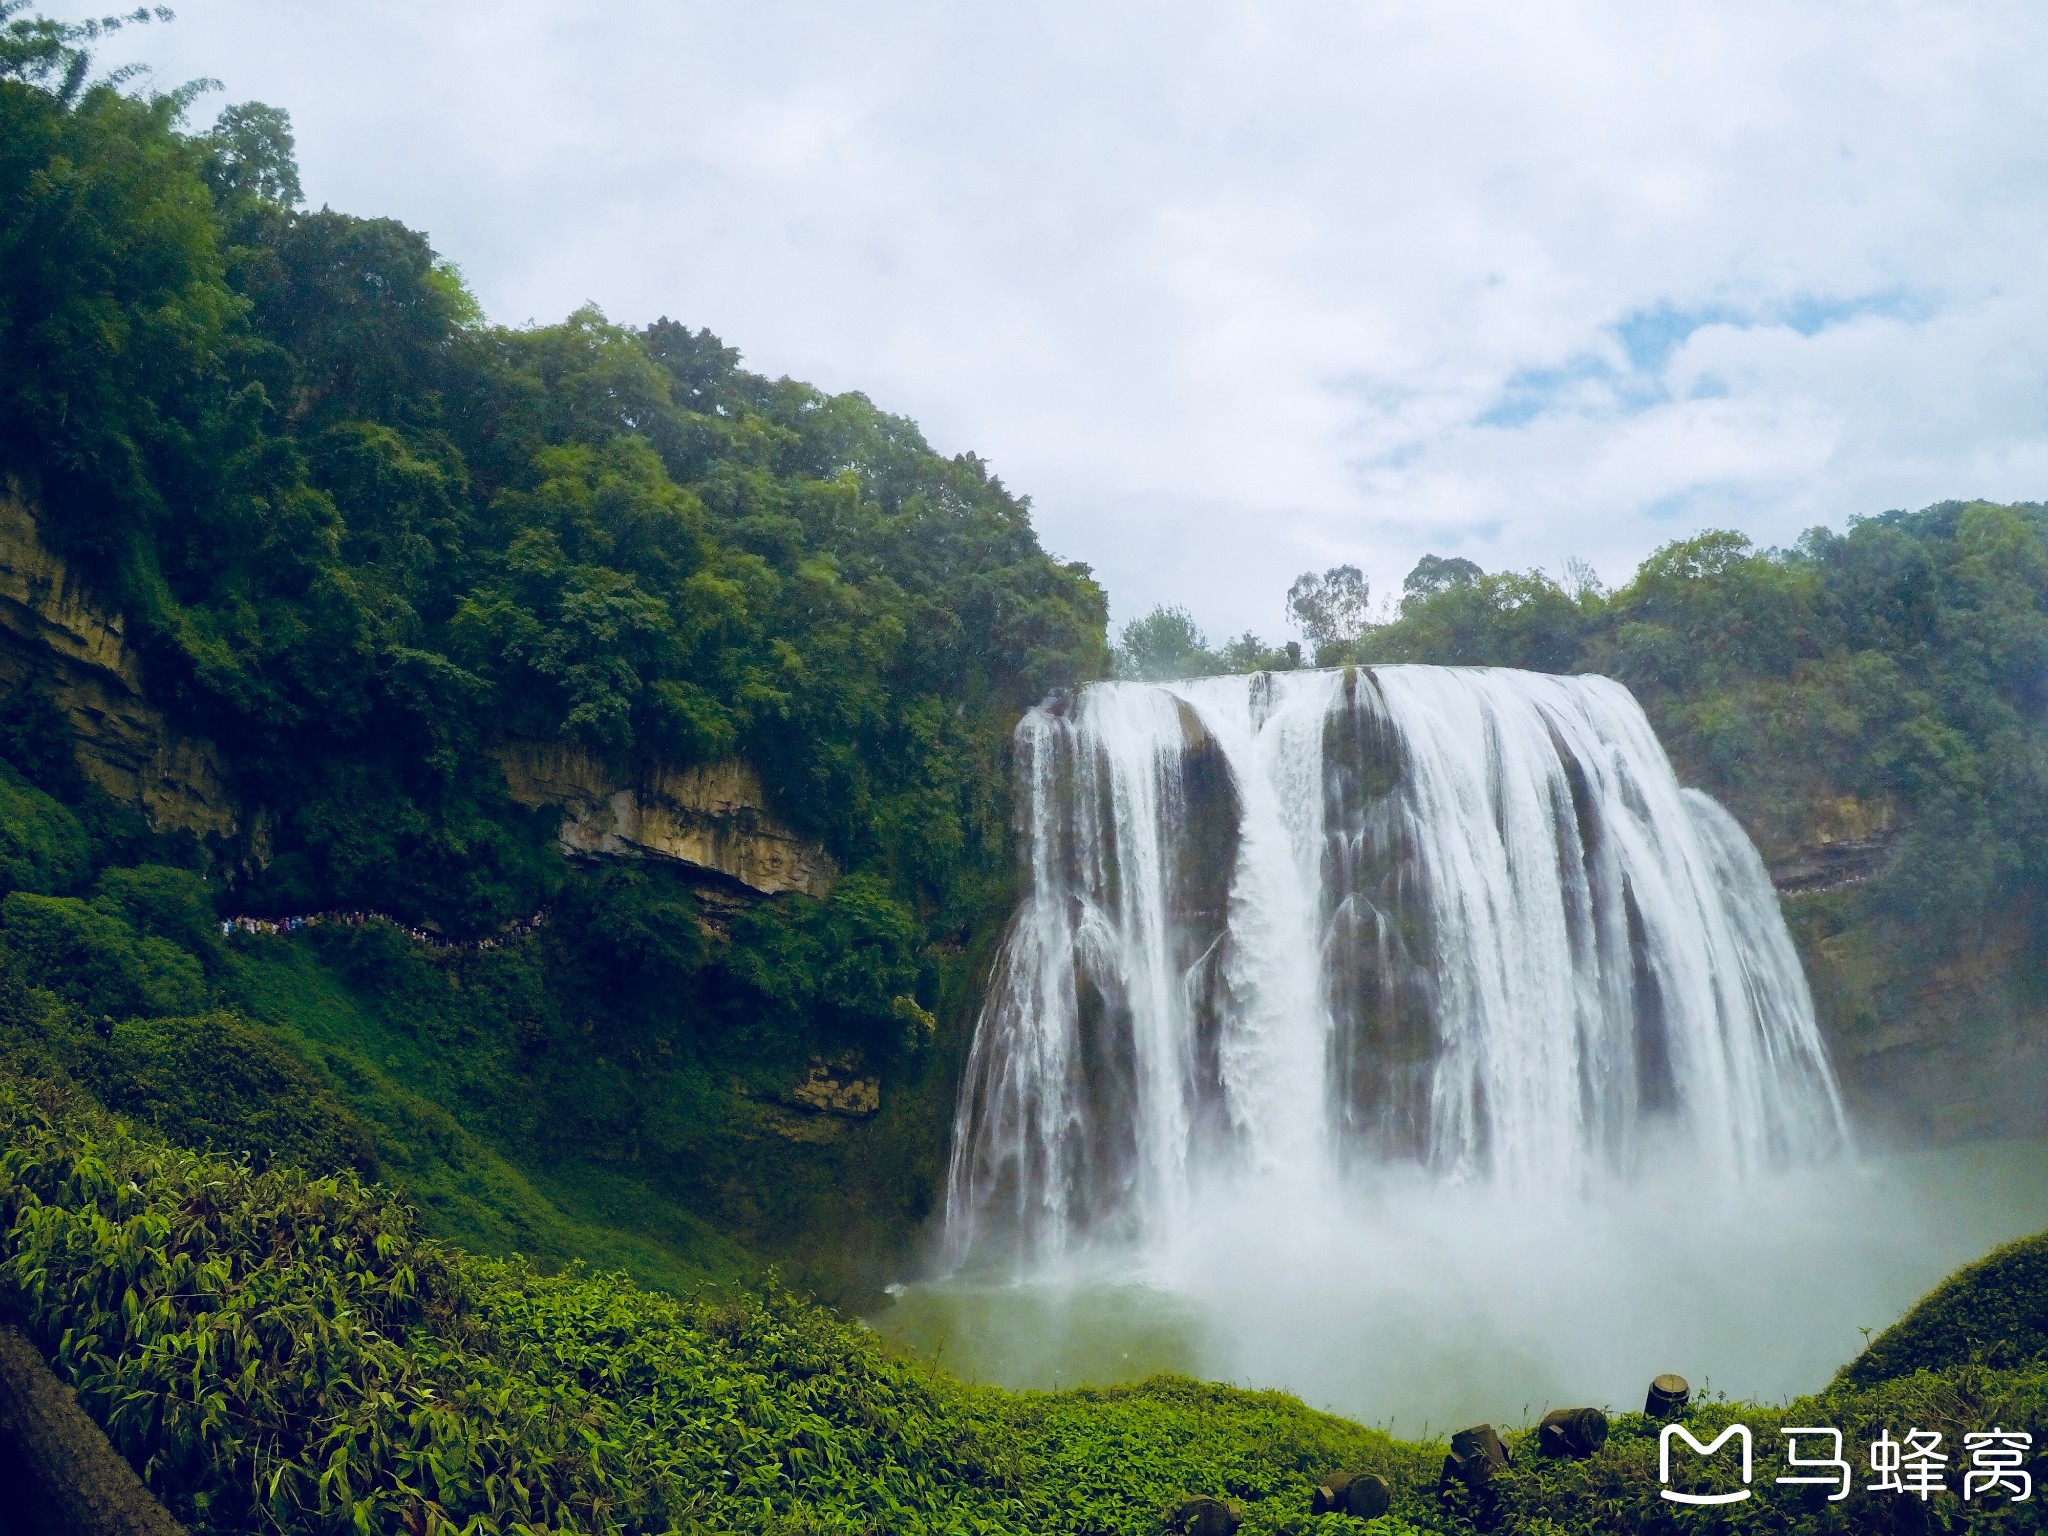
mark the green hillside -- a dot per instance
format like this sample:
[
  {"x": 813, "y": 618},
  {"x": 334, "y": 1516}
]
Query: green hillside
[{"x": 360, "y": 541}]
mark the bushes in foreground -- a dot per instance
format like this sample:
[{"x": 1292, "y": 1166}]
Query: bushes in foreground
[{"x": 279, "y": 1352}]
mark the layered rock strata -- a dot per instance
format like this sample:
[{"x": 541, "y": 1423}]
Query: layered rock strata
[
  {"x": 52, "y": 632},
  {"x": 712, "y": 816}
]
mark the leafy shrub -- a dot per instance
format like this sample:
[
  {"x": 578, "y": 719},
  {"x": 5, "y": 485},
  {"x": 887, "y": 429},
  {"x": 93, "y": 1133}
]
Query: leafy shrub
[
  {"x": 94, "y": 960},
  {"x": 165, "y": 902},
  {"x": 43, "y": 846},
  {"x": 215, "y": 1080},
  {"x": 847, "y": 964},
  {"x": 1993, "y": 1312}
]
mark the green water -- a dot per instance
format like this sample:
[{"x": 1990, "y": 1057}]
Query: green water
[{"x": 1419, "y": 1307}]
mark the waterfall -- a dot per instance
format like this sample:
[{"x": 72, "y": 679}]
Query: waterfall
[{"x": 1300, "y": 926}]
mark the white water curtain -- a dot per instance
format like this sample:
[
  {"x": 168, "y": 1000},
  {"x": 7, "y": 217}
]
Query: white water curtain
[{"x": 1294, "y": 926}]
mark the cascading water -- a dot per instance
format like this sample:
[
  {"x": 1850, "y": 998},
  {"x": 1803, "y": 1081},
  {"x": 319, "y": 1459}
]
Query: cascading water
[{"x": 1291, "y": 926}]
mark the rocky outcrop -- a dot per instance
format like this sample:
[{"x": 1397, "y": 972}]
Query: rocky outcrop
[
  {"x": 1931, "y": 1049},
  {"x": 834, "y": 1096},
  {"x": 59, "y": 1474},
  {"x": 1850, "y": 841},
  {"x": 52, "y": 633},
  {"x": 838, "y": 1087},
  {"x": 712, "y": 817}
]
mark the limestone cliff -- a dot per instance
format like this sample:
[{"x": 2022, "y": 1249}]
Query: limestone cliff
[
  {"x": 1930, "y": 1048},
  {"x": 53, "y": 633},
  {"x": 712, "y": 816}
]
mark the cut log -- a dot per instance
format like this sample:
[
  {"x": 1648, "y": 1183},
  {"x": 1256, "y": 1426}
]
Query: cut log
[
  {"x": 1364, "y": 1495},
  {"x": 1204, "y": 1517},
  {"x": 1368, "y": 1496},
  {"x": 1476, "y": 1454},
  {"x": 1668, "y": 1396},
  {"x": 59, "y": 1473},
  {"x": 1575, "y": 1433},
  {"x": 1328, "y": 1498}
]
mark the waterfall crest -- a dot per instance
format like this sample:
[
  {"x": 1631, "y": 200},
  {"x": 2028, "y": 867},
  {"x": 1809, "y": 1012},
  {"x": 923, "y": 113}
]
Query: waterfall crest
[{"x": 1296, "y": 925}]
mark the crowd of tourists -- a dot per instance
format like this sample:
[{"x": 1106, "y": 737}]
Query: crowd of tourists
[{"x": 427, "y": 936}]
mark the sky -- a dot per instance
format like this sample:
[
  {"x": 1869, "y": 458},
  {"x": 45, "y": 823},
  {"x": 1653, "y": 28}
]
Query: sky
[{"x": 1234, "y": 291}]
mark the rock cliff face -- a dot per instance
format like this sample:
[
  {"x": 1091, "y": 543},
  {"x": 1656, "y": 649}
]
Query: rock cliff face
[
  {"x": 1846, "y": 841},
  {"x": 712, "y": 817},
  {"x": 1930, "y": 1050},
  {"x": 51, "y": 632}
]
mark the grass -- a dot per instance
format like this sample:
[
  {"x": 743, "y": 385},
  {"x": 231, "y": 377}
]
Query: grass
[{"x": 467, "y": 1189}]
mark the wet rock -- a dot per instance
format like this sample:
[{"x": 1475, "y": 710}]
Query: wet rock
[
  {"x": 1203, "y": 848},
  {"x": 1204, "y": 1517},
  {"x": 1362, "y": 1495},
  {"x": 1573, "y": 1433},
  {"x": 1667, "y": 1397}
]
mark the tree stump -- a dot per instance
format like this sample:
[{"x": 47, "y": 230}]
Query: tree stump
[
  {"x": 1476, "y": 1454},
  {"x": 1668, "y": 1397},
  {"x": 1204, "y": 1517},
  {"x": 1574, "y": 1433},
  {"x": 1364, "y": 1495}
]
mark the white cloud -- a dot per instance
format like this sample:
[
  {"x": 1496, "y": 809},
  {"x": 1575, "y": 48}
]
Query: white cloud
[{"x": 1234, "y": 289}]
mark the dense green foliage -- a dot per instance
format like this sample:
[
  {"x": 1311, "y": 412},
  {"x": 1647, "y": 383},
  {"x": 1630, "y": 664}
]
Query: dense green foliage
[
  {"x": 361, "y": 535},
  {"x": 605, "y": 1086},
  {"x": 284, "y": 1353},
  {"x": 278, "y": 1352},
  {"x": 362, "y": 541}
]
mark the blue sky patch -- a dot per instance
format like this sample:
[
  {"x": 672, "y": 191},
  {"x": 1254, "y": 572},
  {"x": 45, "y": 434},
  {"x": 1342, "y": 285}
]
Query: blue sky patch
[{"x": 1625, "y": 374}]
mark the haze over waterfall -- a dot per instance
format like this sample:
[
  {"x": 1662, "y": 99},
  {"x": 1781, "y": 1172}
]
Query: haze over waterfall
[{"x": 1296, "y": 926}]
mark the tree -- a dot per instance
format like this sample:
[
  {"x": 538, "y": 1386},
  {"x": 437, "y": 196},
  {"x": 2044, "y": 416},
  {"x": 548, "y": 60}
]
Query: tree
[
  {"x": 1248, "y": 653},
  {"x": 253, "y": 155},
  {"x": 45, "y": 52},
  {"x": 1164, "y": 644},
  {"x": 1331, "y": 610},
  {"x": 1434, "y": 574}
]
